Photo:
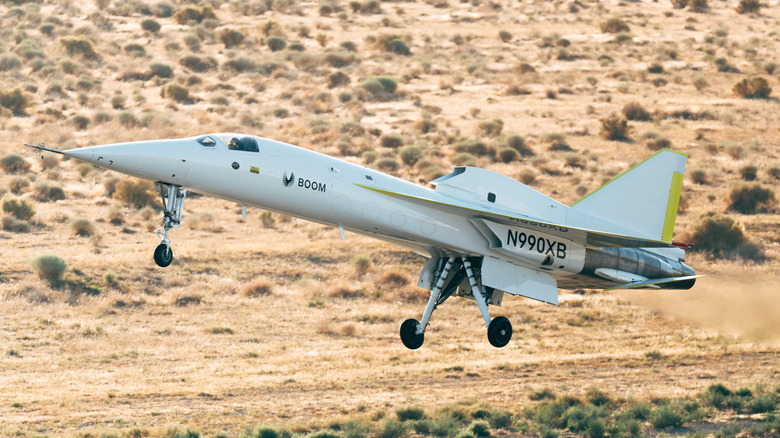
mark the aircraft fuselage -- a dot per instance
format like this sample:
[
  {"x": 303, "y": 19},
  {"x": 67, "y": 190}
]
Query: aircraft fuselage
[{"x": 316, "y": 187}]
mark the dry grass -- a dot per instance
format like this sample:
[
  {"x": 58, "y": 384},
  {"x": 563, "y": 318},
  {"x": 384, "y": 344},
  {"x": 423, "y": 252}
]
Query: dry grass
[{"x": 150, "y": 348}]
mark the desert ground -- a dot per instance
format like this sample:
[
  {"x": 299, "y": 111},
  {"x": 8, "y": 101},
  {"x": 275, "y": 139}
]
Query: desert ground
[{"x": 271, "y": 320}]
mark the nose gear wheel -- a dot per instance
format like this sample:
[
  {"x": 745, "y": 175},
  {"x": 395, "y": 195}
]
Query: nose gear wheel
[{"x": 163, "y": 255}]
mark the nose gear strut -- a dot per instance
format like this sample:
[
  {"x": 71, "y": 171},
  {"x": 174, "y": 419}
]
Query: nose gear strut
[{"x": 173, "y": 204}]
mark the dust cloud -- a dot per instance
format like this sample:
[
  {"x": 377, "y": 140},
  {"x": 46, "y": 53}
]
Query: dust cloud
[{"x": 747, "y": 306}]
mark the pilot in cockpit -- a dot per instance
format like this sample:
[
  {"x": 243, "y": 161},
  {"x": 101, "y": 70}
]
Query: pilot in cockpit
[{"x": 234, "y": 144}]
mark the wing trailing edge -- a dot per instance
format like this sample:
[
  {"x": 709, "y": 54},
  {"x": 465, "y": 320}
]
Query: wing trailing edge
[{"x": 584, "y": 236}]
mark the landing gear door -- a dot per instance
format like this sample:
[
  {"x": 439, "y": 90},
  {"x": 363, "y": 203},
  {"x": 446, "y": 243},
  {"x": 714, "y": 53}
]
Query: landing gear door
[
  {"x": 517, "y": 280},
  {"x": 429, "y": 273}
]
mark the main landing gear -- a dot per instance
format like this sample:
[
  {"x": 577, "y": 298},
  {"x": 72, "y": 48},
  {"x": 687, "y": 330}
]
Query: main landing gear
[
  {"x": 499, "y": 330},
  {"x": 173, "y": 203}
]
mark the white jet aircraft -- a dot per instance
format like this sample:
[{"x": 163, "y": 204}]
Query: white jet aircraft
[{"x": 484, "y": 234}]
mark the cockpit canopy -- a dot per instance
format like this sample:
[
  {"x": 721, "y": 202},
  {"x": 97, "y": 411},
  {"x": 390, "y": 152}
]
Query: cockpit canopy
[
  {"x": 248, "y": 144},
  {"x": 234, "y": 142}
]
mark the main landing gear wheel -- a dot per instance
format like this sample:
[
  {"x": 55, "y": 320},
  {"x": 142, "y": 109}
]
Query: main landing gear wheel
[
  {"x": 163, "y": 255},
  {"x": 499, "y": 332},
  {"x": 409, "y": 335}
]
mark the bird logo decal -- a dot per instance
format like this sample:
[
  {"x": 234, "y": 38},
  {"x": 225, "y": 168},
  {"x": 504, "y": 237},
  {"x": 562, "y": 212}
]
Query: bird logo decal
[{"x": 288, "y": 181}]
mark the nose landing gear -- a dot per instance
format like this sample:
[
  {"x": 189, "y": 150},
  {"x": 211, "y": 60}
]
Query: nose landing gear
[{"x": 173, "y": 204}]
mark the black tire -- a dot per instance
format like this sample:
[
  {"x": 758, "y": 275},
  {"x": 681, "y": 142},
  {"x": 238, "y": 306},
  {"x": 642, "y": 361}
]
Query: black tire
[
  {"x": 499, "y": 332},
  {"x": 163, "y": 255},
  {"x": 409, "y": 335}
]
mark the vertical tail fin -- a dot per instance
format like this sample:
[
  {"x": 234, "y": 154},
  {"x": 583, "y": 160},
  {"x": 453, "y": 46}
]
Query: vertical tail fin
[{"x": 643, "y": 199}]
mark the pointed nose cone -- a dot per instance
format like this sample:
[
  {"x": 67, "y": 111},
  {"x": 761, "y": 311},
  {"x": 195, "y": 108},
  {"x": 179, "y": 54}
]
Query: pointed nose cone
[{"x": 155, "y": 160}]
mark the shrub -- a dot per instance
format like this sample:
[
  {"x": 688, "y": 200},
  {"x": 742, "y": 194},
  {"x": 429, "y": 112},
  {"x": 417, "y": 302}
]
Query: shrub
[
  {"x": 16, "y": 101},
  {"x": 505, "y": 36},
  {"x": 379, "y": 85},
  {"x": 392, "y": 428},
  {"x": 719, "y": 236},
  {"x": 80, "y": 122},
  {"x": 257, "y": 288},
  {"x": 409, "y": 154},
  {"x": 338, "y": 79},
  {"x": 135, "y": 193},
  {"x": 490, "y": 128},
  {"x": 15, "y": 225},
  {"x": 655, "y": 68},
  {"x": 474, "y": 147},
  {"x": 507, "y": 155},
  {"x": 46, "y": 193},
  {"x": 193, "y": 41},
  {"x": 79, "y": 46},
  {"x": 18, "y": 185},
  {"x": 276, "y": 43},
  {"x": 198, "y": 64},
  {"x": 479, "y": 429},
  {"x": 264, "y": 432},
  {"x": 50, "y": 268},
  {"x": 271, "y": 28},
  {"x": 748, "y": 172},
  {"x": 614, "y": 25},
  {"x": 635, "y": 111},
  {"x": 176, "y": 92},
  {"x": 762, "y": 403},
  {"x": 353, "y": 129},
  {"x": 398, "y": 46},
  {"x": 239, "y": 65},
  {"x": 82, "y": 227},
  {"x": 127, "y": 119},
  {"x": 338, "y": 60},
  {"x": 700, "y": 82},
  {"x": 392, "y": 141},
  {"x": 20, "y": 210},
  {"x": 748, "y": 6},
  {"x": 160, "y": 70},
  {"x": 753, "y": 88},
  {"x": 596, "y": 397},
  {"x": 445, "y": 425},
  {"x": 150, "y": 25},
  {"x": 387, "y": 164},
  {"x": 324, "y": 433},
  {"x": 699, "y": 5},
  {"x": 517, "y": 143},
  {"x": 658, "y": 143},
  {"x": 189, "y": 14},
  {"x": 464, "y": 159},
  {"x": 500, "y": 419},
  {"x": 699, "y": 176},
  {"x": 362, "y": 263},
  {"x": 230, "y": 37},
  {"x": 14, "y": 164},
  {"x": 751, "y": 199},
  {"x": 9, "y": 61},
  {"x": 666, "y": 416},
  {"x": 163, "y": 10},
  {"x": 406, "y": 414},
  {"x": 614, "y": 128}
]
